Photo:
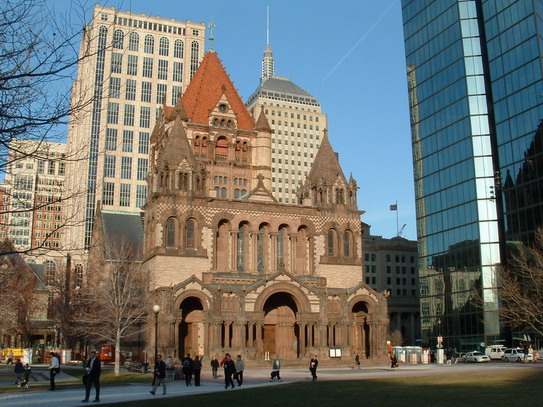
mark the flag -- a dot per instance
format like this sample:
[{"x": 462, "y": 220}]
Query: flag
[{"x": 394, "y": 207}]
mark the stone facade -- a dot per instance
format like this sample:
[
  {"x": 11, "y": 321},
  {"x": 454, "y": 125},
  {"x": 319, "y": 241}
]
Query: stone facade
[{"x": 232, "y": 268}]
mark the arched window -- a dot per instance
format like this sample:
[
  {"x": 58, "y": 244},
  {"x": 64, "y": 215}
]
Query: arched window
[
  {"x": 217, "y": 192},
  {"x": 178, "y": 49},
  {"x": 164, "y": 47},
  {"x": 170, "y": 240},
  {"x": 331, "y": 246},
  {"x": 118, "y": 39},
  {"x": 194, "y": 56},
  {"x": 149, "y": 44},
  {"x": 241, "y": 248},
  {"x": 183, "y": 181},
  {"x": 133, "y": 41},
  {"x": 223, "y": 193},
  {"x": 190, "y": 233},
  {"x": 262, "y": 249},
  {"x": 221, "y": 147},
  {"x": 281, "y": 239},
  {"x": 347, "y": 243},
  {"x": 236, "y": 193}
]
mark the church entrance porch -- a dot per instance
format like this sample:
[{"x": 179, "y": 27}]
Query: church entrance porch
[
  {"x": 190, "y": 330},
  {"x": 280, "y": 334}
]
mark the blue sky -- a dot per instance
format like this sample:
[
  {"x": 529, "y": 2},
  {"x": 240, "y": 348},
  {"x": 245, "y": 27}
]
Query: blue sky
[{"x": 349, "y": 54}]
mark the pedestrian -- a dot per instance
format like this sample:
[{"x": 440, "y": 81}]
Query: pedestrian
[
  {"x": 187, "y": 369},
  {"x": 19, "y": 370},
  {"x": 93, "y": 368},
  {"x": 27, "y": 372},
  {"x": 357, "y": 360},
  {"x": 160, "y": 375},
  {"x": 240, "y": 367},
  {"x": 313, "y": 367},
  {"x": 197, "y": 369},
  {"x": 393, "y": 361},
  {"x": 54, "y": 369},
  {"x": 214, "y": 366},
  {"x": 9, "y": 361},
  {"x": 169, "y": 361},
  {"x": 276, "y": 367},
  {"x": 229, "y": 370}
]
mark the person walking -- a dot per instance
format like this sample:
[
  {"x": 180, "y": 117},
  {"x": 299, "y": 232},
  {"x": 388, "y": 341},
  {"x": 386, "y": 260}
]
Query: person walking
[
  {"x": 197, "y": 370},
  {"x": 357, "y": 360},
  {"x": 54, "y": 369},
  {"x": 27, "y": 372},
  {"x": 187, "y": 369},
  {"x": 229, "y": 370},
  {"x": 214, "y": 366},
  {"x": 393, "y": 361},
  {"x": 313, "y": 367},
  {"x": 93, "y": 369},
  {"x": 19, "y": 370},
  {"x": 240, "y": 367},
  {"x": 160, "y": 375},
  {"x": 9, "y": 360},
  {"x": 276, "y": 367}
]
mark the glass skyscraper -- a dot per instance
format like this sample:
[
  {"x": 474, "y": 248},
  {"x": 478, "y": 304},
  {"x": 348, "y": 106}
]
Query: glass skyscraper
[{"x": 474, "y": 71}]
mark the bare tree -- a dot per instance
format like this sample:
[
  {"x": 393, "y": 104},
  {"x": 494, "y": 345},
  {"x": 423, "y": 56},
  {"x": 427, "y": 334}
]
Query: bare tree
[
  {"x": 395, "y": 337},
  {"x": 114, "y": 304},
  {"x": 520, "y": 287}
]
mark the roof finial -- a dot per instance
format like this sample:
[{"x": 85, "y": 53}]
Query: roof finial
[{"x": 211, "y": 26}]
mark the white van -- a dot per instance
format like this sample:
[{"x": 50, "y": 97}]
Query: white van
[{"x": 495, "y": 351}]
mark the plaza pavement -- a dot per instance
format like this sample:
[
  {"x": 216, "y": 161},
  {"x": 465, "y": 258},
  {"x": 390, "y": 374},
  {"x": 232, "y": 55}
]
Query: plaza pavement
[{"x": 72, "y": 396}]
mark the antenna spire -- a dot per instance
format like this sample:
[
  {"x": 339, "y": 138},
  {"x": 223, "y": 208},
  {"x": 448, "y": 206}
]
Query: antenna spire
[
  {"x": 268, "y": 25},
  {"x": 267, "y": 61}
]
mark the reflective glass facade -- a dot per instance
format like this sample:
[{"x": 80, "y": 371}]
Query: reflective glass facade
[{"x": 475, "y": 93}]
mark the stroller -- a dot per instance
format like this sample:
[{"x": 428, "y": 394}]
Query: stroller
[{"x": 27, "y": 371}]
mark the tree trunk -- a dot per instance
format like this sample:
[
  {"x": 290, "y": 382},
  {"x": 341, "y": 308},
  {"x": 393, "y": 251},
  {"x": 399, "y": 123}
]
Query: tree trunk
[{"x": 118, "y": 353}]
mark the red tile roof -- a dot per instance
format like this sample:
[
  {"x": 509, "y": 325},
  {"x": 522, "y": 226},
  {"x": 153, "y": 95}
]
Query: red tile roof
[{"x": 205, "y": 90}]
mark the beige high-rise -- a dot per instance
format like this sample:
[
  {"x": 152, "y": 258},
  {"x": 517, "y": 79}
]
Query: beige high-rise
[
  {"x": 132, "y": 63},
  {"x": 297, "y": 124}
]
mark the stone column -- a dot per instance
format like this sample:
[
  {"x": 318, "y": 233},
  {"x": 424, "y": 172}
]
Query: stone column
[
  {"x": 206, "y": 338},
  {"x": 273, "y": 253},
  {"x": 250, "y": 326},
  {"x": 253, "y": 249},
  {"x": 292, "y": 254},
  {"x": 311, "y": 255},
  {"x": 234, "y": 253},
  {"x": 259, "y": 342},
  {"x": 303, "y": 326}
]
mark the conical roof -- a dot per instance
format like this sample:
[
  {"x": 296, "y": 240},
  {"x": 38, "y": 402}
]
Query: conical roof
[
  {"x": 206, "y": 88},
  {"x": 262, "y": 124},
  {"x": 326, "y": 165}
]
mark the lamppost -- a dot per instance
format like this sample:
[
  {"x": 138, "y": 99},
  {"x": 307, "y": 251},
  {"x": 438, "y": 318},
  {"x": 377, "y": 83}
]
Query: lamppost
[{"x": 156, "y": 310}]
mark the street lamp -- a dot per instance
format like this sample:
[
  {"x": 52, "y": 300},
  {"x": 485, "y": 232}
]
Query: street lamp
[{"x": 156, "y": 310}]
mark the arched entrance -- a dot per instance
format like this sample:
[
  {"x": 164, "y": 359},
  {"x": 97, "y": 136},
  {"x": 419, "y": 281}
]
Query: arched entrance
[
  {"x": 191, "y": 330},
  {"x": 280, "y": 334},
  {"x": 361, "y": 329}
]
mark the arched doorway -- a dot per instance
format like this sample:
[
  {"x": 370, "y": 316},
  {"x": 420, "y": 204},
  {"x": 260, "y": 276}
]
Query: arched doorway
[
  {"x": 280, "y": 334},
  {"x": 361, "y": 328},
  {"x": 191, "y": 330}
]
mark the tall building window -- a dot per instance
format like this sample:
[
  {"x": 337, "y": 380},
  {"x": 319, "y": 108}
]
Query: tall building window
[
  {"x": 133, "y": 41},
  {"x": 114, "y": 87},
  {"x": 51, "y": 170},
  {"x": 111, "y": 139},
  {"x": 194, "y": 56},
  {"x": 163, "y": 48},
  {"x": 109, "y": 166},
  {"x": 147, "y": 67},
  {"x": 177, "y": 71},
  {"x": 118, "y": 39},
  {"x": 145, "y": 117},
  {"x": 130, "y": 89},
  {"x": 129, "y": 115},
  {"x": 128, "y": 141},
  {"x": 178, "y": 49},
  {"x": 141, "y": 195},
  {"x": 143, "y": 145},
  {"x": 190, "y": 233},
  {"x": 161, "y": 90},
  {"x": 116, "y": 62},
  {"x": 170, "y": 227},
  {"x": 108, "y": 193},
  {"x": 41, "y": 166},
  {"x": 132, "y": 65},
  {"x": 176, "y": 91},
  {"x": 149, "y": 44},
  {"x": 146, "y": 88},
  {"x": 113, "y": 113},
  {"x": 162, "y": 69},
  {"x": 124, "y": 196},
  {"x": 126, "y": 167},
  {"x": 143, "y": 165}
]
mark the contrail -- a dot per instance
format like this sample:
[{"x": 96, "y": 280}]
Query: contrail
[{"x": 360, "y": 40}]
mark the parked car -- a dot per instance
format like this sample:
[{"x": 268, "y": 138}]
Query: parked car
[
  {"x": 495, "y": 351},
  {"x": 517, "y": 355},
  {"x": 477, "y": 357}
]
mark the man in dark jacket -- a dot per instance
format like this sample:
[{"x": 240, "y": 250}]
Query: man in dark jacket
[
  {"x": 229, "y": 370},
  {"x": 187, "y": 369},
  {"x": 93, "y": 368},
  {"x": 160, "y": 375},
  {"x": 313, "y": 366}
]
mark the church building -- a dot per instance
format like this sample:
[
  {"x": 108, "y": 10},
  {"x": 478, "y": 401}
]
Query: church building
[{"x": 234, "y": 270}]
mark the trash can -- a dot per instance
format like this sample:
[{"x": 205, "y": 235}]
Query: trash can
[{"x": 145, "y": 367}]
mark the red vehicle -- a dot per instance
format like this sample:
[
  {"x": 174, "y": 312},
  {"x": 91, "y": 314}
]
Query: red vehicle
[{"x": 107, "y": 354}]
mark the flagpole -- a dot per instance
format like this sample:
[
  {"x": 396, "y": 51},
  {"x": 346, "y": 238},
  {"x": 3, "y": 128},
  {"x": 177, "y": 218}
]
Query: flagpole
[{"x": 397, "y": 222}]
